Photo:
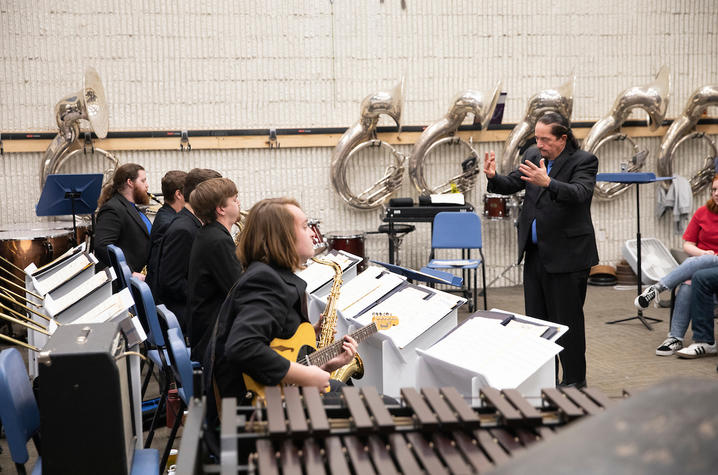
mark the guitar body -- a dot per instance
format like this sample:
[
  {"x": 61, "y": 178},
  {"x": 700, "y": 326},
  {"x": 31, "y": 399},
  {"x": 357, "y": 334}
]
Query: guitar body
[{"x": 295, "y": 348}]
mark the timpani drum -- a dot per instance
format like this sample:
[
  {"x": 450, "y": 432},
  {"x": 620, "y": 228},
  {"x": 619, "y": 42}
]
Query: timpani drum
[
  {"x": 496, "y": 206},
  {"x": 351, "y": 242},
  {"x": 39, "y": 245}
]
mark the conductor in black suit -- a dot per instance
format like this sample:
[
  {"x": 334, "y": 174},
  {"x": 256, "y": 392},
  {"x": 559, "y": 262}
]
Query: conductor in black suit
[
  {"x": 555, "y": 232},
  {"x": 120, "y": 222}
]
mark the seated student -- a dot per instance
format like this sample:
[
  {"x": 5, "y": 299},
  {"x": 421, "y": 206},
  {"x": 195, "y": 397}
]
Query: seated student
[
  {"x": 172, "y": 184},
  {"x": 701, "y": 243},
  {"x": 267, "y": 302},
  {"x": 705, "y": 287},
  {"x": 173, "y": 258},
  {"x": 213, "y": 264},
  {"x": 121, "y": 222}
]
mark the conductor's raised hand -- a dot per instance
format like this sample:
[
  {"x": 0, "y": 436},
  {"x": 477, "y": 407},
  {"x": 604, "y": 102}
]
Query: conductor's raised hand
[
  {"x": 536, "y": 175},
  {"x": 490, "y": 164}
]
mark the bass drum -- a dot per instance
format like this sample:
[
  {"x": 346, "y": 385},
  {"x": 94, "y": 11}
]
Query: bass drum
[
  {"x": 34, "y": 244},
  {"x": 352, "y": 242}
]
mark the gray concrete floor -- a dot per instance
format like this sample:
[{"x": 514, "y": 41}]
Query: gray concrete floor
[{"x": 620, "y": 357}]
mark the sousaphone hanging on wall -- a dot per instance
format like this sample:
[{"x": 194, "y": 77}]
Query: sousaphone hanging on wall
[
  {"x": 88, "y": 104},
  {"x": 653, "y": 98},
  {"x": 559, "y": 100},
  {"x": 443, "y": 131}
]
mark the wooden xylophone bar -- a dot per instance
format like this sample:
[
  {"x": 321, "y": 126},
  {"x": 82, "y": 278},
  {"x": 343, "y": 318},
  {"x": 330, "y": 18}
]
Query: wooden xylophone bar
[{"x": 432, "y": 430}]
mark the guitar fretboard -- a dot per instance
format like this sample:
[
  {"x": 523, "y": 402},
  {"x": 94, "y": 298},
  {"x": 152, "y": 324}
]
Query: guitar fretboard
[{"x": 322, "y": 356}]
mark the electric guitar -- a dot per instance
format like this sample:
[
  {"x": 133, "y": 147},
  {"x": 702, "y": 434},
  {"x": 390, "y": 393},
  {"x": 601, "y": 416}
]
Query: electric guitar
[{"x": 302, "y": 347}]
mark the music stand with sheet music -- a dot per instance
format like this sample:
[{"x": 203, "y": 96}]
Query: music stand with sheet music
[
  {"x": 70, "y": 194},
  {"x": 638, "y": 178}
]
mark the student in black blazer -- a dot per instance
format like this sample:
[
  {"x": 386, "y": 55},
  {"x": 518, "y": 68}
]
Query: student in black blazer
[
  {"x": 267, "y": 302},
  {"x": 555, "y": 232},
  {"x": 170, "y": 282},
  {"x": 213, "y": 264},
  {"x": 120, "y": 222},
  {"x": 172, "y": 184}
]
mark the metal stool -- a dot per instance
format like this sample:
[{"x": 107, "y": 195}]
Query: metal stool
[{"x": 400, "y": 230}]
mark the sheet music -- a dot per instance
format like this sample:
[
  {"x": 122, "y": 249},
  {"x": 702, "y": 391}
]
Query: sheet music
[
  {"x": 415, "y": 314},
  {"x": 77, "y": 293},
  {"x": 63, "y": 273},
  {"x": 107, "y": 309},
  {"x": 72, "y": 251},
  {"x": 316, "y": 275},
  {"x": 530, "y": 328},
  {"x": 504, "y": 356},
  {"x": 365, "y": 289}
]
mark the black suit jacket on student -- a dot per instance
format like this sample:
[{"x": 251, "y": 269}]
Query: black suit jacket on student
[
  {"x": 264, "y": 304},
  {"x": 213, "y": 270},
  {"x": 173, "y": 263},
  {"x": 163, "y": 218},
  {"x": 566, "y": 239},
  {"x": 119, "y": 223}
]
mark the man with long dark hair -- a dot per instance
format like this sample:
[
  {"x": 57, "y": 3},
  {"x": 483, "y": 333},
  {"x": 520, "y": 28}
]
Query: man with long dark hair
[
  {"x": 120, "y": 221},
  {"x": 556, "y": 236}
]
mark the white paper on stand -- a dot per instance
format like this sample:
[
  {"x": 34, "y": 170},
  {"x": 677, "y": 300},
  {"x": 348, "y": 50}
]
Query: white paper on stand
[
  {"x": 415, "y": 312},
  {"x": 365, "y": 289},
  {"x": 65, "y": 297},
  {"x": 504, "y": 356},
  {"x": 105, "y": 310},
  {"x": 316, "y": 275},
  {"x": 48, "y": 281}
]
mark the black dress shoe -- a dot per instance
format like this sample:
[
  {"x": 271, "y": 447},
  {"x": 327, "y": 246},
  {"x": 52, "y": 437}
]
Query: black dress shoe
[{"x": 576, "y": 384}]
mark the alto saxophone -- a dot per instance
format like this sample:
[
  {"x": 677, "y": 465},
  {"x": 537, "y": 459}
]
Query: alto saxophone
[{"x": 354, "y": 369}]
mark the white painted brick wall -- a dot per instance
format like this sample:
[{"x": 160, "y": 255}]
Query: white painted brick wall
[{"x": 227, "y": 64}]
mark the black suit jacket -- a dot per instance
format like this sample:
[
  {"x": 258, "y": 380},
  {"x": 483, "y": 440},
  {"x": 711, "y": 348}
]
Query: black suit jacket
[
  {"x": 119, "y": 223},
  {"x": 173, "y": 263},
  {"x": 163, "y": 218},
  {"x": 566, "y": 239},
  {"x": 264, "y": 304},
  {"x": 213, "y": 270}
]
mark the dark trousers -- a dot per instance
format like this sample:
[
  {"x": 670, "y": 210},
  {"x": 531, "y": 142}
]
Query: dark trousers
[{"x": 559, "y": 298}]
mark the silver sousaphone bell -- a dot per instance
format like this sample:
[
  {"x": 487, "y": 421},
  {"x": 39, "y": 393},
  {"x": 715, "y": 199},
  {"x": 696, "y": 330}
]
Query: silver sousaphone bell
[{"x": 87, "y": 104}]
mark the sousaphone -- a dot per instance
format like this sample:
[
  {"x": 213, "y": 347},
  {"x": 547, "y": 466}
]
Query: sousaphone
[
  {"x": 443, "y": 131},
  {"x": 87, "y": 104}
]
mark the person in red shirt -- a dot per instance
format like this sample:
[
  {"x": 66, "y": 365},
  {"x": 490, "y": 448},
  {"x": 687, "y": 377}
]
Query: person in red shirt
[{"x": 700, "y": 242}]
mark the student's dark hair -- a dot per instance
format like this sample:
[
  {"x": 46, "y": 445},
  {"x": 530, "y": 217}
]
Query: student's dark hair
[
  {"x": 171, "y": 182},
  {"x": 195, "y": 177},
  {"x": 209, "y": 195},
  {"x": 128, "y": 171},
  {"x": 559, "y": 126}
]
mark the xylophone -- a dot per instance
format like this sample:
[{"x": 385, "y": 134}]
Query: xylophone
[{"x": 432, "y": 430}]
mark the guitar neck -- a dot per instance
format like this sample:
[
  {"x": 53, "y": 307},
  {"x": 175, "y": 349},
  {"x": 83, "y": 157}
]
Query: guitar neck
[{"x": 322, "y": 356}]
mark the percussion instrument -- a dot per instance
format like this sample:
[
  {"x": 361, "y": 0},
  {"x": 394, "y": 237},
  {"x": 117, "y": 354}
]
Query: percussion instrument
[
  {"x": 23, "y": 244},
  {"x": 432, "y": 430},
  {"x": 320, "y": 244},
  {"x": 351, "y": 242},
  {"x": 496, "y": 206}
]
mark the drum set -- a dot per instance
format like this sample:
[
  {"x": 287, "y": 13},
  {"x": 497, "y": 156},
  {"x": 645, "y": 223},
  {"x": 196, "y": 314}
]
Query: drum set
[
  {"x": 500, "y": 207},
  {"x": 351, "y": 242}
]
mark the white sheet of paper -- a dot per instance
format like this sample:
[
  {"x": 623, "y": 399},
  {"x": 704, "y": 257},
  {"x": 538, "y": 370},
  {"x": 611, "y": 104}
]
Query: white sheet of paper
[
  {"x": 415, "y": 314},
  {"x": 365, "y": 289},
  {"x": 452, "y": 262},
  {"x": 47, "y": 283},
  {"x": 504, "y": 356}
]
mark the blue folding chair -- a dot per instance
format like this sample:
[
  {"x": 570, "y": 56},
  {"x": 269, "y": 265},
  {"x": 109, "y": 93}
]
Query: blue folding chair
[
  {"x": 18, "y": 409},
  {"x": 157, "y": 352},
  {"x": 182, "y": 371},
  {"x": 460, "y": 230}
]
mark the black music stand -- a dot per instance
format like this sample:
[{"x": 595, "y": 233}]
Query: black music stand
[
  {"x": 638, "y": 178},
  {"x": 70, "y": 194}
]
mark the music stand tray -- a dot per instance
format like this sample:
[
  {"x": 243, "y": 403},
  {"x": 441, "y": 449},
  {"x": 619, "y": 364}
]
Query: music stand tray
[
  {"x": 427, "y": 275},
  {"x": 70, "y": 194},
  {"x": 638, "y": 178}
]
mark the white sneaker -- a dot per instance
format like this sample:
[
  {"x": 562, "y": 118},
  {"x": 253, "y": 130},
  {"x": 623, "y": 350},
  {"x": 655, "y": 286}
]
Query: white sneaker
[
  {"x": 669, "y": 346},
  {"x": 642, "y": 301},
  {"x": 697, "y": 350}
]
